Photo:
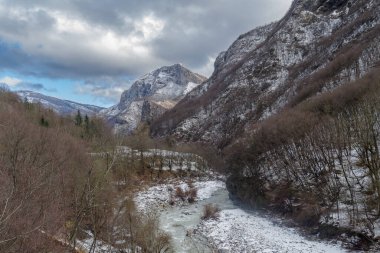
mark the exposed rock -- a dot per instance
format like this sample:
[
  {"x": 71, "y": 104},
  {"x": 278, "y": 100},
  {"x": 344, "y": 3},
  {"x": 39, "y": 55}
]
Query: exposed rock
[
  {"x": 317, "y": 46},
  {"x": 150, "y": 96}
]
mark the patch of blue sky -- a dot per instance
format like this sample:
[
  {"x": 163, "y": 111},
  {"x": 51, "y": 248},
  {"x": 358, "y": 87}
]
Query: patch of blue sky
[{"x": 59, "y": 88}]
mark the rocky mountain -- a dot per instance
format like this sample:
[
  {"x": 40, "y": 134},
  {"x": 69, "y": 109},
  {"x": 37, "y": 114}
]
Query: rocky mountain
[
  {"x": 60, "y": 106},
  {"x": 294, "y": 108},
  {"x": 318, "y": 46},
  {"x": 150, "y": 96}
]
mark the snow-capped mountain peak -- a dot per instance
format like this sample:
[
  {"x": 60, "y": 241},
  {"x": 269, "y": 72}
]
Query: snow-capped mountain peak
[{"x": 151, "y": 95}]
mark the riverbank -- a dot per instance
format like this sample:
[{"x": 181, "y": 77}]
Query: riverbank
[{"x": 235, "y": 230}]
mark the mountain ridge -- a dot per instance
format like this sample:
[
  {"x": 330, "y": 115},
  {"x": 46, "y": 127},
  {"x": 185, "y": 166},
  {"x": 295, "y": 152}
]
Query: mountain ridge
[
  {"x": 61, "y": 106},
  {"x": 317, "y": 45}
]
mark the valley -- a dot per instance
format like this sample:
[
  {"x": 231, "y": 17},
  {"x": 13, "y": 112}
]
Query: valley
[
  {"x": 278, "y": 150},
  {"x": 234, "y": 228}
]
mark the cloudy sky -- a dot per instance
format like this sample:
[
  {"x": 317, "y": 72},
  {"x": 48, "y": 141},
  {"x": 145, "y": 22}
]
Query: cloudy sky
[{"x": 91, "y": 50}]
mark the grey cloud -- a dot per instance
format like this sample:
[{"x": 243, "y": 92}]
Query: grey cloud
[
  {"x": 107, "y": 89},
  {"x": 33, "y": 86},
  {"x": 32, "y": 22},
  {"x": 213, "y": 27},
  {"x": 88, "y": 40}
]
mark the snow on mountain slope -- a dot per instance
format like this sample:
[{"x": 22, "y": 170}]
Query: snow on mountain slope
[
  {"x": 317, "y": 46},
  {"x": 63, "y": 107},
  {"x": 150, "y": 96}
]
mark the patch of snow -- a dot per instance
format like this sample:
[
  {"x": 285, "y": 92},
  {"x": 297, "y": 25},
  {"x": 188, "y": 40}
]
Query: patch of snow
[
  {"x": 239, "y": 231},
  {"x": 60, "y": 106},
  {"x": 100, "y": 246},
  {"x": 207, "y": 188},
  {"x": 190, "y": 86},
  {"x": 156, "y": 196},
  {"x": 160, "y": 195}
]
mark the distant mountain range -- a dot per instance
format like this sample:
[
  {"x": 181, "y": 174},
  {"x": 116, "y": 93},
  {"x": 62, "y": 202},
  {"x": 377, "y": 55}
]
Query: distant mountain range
[
  {"x": 147, "y": 99},
  {"x": 60, "y": 106}
]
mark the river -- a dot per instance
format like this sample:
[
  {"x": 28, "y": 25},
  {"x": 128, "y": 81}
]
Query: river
[{"x": 235, "y": 231}]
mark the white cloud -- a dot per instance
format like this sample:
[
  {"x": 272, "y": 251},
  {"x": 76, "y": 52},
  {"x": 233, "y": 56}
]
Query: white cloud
[
  {"x": 75, "y": 39},
  {"x": 150, "y": 26},
  {"x": 10, "y": 81},
  {"x": 72, "y": 46}
]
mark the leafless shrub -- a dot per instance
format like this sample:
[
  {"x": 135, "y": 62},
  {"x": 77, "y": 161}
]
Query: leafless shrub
[
  {"x": 309, "y": 215},
  {"x": 210, "y": 211},
  {"x": 192, "y": 195},
  {"x": 180, "y": 193},
  {"x": 148, "y": 236},
  {"x": 189, "y": 195}
]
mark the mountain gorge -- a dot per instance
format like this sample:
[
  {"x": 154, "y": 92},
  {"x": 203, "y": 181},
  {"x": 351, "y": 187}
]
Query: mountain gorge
[
  {"x": 284, "y": 134},
  {"x": 317, "y": 46},
  {"x": 293, "y": 107},
  {"x": 277, "y": 151},
  {"x": 150, "y": 96}
]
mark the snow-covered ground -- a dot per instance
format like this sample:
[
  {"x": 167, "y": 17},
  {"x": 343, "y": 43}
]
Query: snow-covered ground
[
  {"x": 170, "y": 160},
  {"x": 239, "y": 231},
  {"x": 235, "y": 231},
  {"x": 100, "y": 247},
  {"x": 160, "y": 195}
]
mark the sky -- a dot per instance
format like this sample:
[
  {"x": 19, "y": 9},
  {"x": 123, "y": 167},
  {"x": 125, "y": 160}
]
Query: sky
[{"x": 90, "y": 51}]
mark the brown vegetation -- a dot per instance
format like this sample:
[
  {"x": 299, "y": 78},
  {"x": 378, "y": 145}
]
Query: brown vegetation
[
  {"x": 190, "y": 195},
  {"x": 210, "y": 211},
  {"x": 141, "y": 233},
  {"x": 57, "y": 183},
  {"x": 308, "y": 160}
]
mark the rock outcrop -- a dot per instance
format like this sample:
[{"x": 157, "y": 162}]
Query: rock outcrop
[{"x": 150, "y": 96}]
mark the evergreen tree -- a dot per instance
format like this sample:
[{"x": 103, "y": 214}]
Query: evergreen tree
[
  {"x": 44, "y": 122},
  {"x": 78, "y": 119},
  {"x": 86, "y": 123}
]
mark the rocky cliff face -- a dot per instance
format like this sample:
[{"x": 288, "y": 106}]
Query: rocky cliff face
[
  {"x": 317, "y": 46},
  {"x": 151, "y": 95}
]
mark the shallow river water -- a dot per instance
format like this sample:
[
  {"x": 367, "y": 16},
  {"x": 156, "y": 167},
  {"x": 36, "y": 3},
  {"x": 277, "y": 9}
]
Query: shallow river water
[
  {"x": 236, "y": 230},
  {"x": 179, "y": 220}
]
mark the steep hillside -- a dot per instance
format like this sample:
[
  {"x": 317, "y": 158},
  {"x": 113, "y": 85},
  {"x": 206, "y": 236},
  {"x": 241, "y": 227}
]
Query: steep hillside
[
  {"x": 317, "y": 46},
  {"x": 45, "y": 166},
  {"x": 151, "y": 95},
  {"x": 60, "y": 106},
  {"x": 295, "y": 108}
]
